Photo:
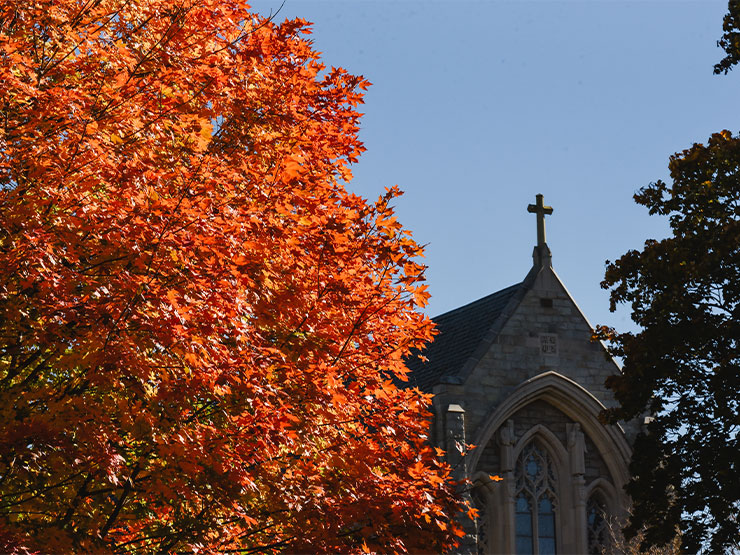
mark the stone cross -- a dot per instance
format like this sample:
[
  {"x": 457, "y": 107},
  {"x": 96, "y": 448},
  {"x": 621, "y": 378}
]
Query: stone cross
[{"x": 540, "y": 209}]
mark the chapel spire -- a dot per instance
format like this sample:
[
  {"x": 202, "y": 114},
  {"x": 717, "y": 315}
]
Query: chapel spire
[{"x": 541, "y": 255}]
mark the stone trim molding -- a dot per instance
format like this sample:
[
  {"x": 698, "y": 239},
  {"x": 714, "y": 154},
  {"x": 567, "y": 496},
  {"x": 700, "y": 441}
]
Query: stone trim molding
[
  {"x": 497, "y": 521},
  {"x": 610, "y": 496},
  {"x": 550, "y": 441},
  {"x": 574, "y": 401}
]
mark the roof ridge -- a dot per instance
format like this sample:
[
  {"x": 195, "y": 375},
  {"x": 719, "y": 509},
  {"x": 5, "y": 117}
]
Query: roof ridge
[
  {"x": 476, "y": 301},
  {"x": 460, "y": 333}
]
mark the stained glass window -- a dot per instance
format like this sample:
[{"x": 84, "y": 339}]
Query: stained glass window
[
  {"x": 523, "y": 523},
  {"x": 546, "y": 527},
  {"x": 536, "y": 502},
  {"x": 596, "y": 524}
]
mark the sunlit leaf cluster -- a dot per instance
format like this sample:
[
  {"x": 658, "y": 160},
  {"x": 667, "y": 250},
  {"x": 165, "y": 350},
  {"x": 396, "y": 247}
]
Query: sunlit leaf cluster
[{"x": 200, "y": 328}]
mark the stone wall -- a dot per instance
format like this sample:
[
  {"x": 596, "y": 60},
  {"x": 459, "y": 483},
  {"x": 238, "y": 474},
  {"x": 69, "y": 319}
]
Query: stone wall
[
  {"x": 517, "y": 354},
  {"x": 541, "y": 334},
  {"x": 541, "y": 412}
]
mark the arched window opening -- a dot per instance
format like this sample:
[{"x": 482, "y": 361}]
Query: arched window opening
[
  {"x": 524, "y": 538},
  {"x": 536, "y": 502},
  {"x": 546, "y": 526},
  {"x": 596, "y": 523}
]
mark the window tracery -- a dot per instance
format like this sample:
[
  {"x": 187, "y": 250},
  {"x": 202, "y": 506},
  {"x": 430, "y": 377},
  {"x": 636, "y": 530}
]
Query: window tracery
[
  {"x": 536, "y": 502},
  {"x": 596, "y": 523}
]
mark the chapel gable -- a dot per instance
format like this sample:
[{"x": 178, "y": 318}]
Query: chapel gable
[{"x": 516, "y": 374}]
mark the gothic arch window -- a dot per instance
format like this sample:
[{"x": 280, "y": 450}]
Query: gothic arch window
[
  {"x": 596, "y": 523},
  {"x": 536, "y": 501}
]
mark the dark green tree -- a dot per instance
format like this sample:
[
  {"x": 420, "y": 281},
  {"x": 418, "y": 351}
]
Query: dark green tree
[
  {"x": 683, "y": 367},
  {"x": 730, "y": 41}
]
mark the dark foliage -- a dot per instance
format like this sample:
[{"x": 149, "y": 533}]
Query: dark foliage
[
  {"x": 730, "y": 40},
  {"x": 683, "y": 367}
]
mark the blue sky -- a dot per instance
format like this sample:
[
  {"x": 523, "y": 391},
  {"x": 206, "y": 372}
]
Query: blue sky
[{"x": 476, "y": 106}]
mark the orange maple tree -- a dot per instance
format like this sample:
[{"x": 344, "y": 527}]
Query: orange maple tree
[{"x": 200, "y": 328}]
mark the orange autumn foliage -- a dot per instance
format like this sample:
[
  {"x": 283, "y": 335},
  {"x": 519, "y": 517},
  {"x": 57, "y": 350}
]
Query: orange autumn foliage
[{"x": 200, "y": 328}]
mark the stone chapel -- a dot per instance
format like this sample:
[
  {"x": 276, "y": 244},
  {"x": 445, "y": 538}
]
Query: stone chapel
[{"x": 517, "y": 375}]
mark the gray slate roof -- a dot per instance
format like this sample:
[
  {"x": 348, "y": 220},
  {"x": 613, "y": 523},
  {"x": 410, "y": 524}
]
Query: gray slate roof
[{"x": 461, "y": 333}]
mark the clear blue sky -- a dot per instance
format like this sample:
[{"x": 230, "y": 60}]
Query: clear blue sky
[{"x": 476, "y": 106}]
